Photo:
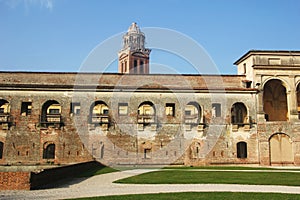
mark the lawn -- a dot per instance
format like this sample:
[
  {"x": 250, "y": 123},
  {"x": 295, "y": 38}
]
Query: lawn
[
  {"x": 215, "y": 177},
  {"x": 198, "y": 195}
]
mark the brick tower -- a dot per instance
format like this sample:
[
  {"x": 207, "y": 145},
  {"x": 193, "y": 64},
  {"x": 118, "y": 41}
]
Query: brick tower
[{"x": 134, "y": 57}]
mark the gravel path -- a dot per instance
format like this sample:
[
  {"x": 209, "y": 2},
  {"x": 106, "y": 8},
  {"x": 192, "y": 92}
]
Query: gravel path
[{"x": 102, "y": 185}]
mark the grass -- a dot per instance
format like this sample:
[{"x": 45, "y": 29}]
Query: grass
[
  {"x": 198, "y": 195},
  {"x": 231, "y": 168},
  {"x": 215, "y": 177}
]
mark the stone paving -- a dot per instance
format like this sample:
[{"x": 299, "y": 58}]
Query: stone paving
[{"x": 103, "y": 185}]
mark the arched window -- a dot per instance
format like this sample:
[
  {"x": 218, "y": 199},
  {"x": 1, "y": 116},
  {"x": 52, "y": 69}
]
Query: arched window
[
  {"x": 275, "y": 101},
  {"x": 1, "y": 149},
  {"x": 99, "y": 113},
  {"x": 192, "y": 113},
  {"x": 4, "y": 111},
  {"x": 49, "y": 151},
  {"x": 298, "y": 100},
  {"x": 241, "y": 148},
  {"x": 51, "y": 114},
  {"x": 146, "y": 113},
  {"x": 239, "y": 114}
]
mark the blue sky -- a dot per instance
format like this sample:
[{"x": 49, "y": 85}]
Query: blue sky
[{"x": 58, "y": 35}]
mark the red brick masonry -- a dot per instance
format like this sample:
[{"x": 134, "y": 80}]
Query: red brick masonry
[{"x": 14, "y": 180}]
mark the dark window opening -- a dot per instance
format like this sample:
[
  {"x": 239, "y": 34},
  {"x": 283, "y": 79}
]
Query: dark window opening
[
  {"x": 141, "y": 67},
  {"x": 1, "y": 149},
  {"x": 239, "y": 114},
  {"x": 75, "y": 108},
  {"x": 170, "y": 109},
  {"x": 26, "y": 108},
  {"x": 147, "y": 153},
  {"x": 49, "y": 152},
  {"x": 135, "y": 66},
  {"x": 216, "y": 110},
  {"x": 241, "y": 150}
]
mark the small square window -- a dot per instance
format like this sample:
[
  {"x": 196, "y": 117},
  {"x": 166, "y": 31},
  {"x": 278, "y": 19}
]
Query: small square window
[
  {"x": 216, "y": 110},
  {"x": 26, "y": 108},
  {"x": 123, "y": 109},
  {"x": 170, "y": 109},
  {"x": 75, "y": 108}
]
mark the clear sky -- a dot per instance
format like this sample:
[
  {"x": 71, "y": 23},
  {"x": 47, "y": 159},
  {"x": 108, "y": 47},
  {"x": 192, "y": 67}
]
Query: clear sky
[{"x": 58, "y": 35}]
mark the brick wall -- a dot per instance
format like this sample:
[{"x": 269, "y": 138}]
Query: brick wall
[{"x": 14, "y": 180}]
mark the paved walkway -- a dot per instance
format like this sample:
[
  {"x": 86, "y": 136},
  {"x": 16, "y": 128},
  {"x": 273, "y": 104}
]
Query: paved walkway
[{"x": 102, "y": 185}]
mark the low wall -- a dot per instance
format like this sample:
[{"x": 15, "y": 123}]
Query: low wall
[
  {"x": 26, "y": 177},
  {"x": 14, "y": 180},
  {"x": 50, "y": 176}
]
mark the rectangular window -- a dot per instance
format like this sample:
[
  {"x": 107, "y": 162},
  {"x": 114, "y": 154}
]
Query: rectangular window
[
  {"x": 53, "y": 111},
  {"x": 216, "y": 110},
  {"x": 1, "y": 110},
  {"x": 170, "y": 109},
  {"x": 147, "y": 153},
  {"x": 26, "y": 108},
  {"x": 123, "y": 109},
  {"x": 188, "y": 112},
  {"x": 75, "y": 108}
]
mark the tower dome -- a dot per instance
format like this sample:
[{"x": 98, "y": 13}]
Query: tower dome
[
  {"x": 134, "y": 38},
  {"x": 134, "y": 57},
  {"x": 134, "y": 28}
]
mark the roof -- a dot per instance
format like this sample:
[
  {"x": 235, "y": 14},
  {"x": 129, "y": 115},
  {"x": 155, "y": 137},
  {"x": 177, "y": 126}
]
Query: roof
[
  {"x": 266, "y": 52},
  {"x": 71, "y": 80}
]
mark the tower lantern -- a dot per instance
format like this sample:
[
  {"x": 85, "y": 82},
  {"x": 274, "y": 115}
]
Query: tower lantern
[{"x": 134, "y": 57}]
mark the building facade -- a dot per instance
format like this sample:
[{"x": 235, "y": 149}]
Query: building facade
[{"x": 136, "y": 118}]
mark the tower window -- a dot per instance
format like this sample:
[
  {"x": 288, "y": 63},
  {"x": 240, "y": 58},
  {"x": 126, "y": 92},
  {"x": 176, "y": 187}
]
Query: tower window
[
  {"x": 141, "y": 67},
  {"x": 244, "y": 68},
  {"x": 135, "y": 66}
]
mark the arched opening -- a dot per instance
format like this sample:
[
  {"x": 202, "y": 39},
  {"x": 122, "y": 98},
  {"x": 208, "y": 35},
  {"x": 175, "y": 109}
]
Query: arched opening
[
  {"x": 281, "y": 149},
  {"x": 298, "y": 100},
  {"x": 99, "y": 113},
  {"x": 241, "y": 148},
  {"x": 49, "y": 151},
  {"x": 275, "y": 101},
  {"x": 51, "y": 114},
  {"x": 146, "y": 113},
  {"x": 4, "y": 111},
  {"x": 1, "y": 149},
  {"x": 239, "y": 114},
  {"x": 192, "y": 113}
]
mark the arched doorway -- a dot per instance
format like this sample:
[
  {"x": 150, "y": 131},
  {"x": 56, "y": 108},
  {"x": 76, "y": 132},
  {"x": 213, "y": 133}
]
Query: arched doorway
[
  {"x": 281, "y": 149},
  {"x": 49, "y": 151},
  {"x": 275, "y": 101}
]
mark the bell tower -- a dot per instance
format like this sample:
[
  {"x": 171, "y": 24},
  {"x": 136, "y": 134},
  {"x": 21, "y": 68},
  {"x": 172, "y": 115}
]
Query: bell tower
[{"x": 134, "y": 57}]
